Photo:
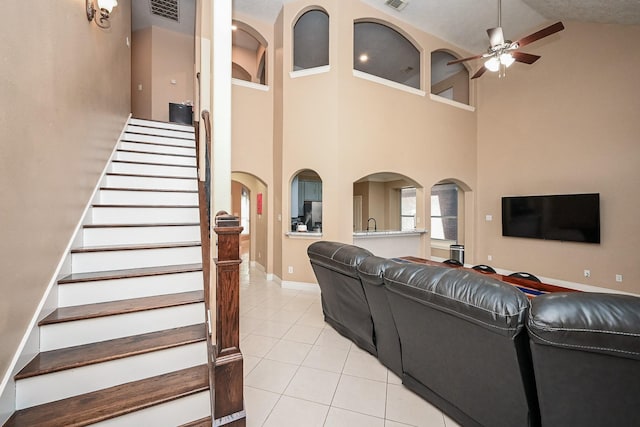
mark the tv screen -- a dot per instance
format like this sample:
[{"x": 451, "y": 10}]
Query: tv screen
[{"x": 566, "y": 217}]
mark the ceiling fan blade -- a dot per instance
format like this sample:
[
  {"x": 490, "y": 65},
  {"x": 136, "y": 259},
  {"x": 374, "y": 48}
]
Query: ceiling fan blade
[
  {"x": 526, "y": 58},
  {"x": 496, "y": 37},
  {"x": 457, "y": 61},
  {"x": 551, "y": 29},
  {"x": 480, "y": 72}
]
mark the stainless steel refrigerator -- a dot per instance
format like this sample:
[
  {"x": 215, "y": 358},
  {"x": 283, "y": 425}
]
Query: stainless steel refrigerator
[{"x": 313, "y": 215}]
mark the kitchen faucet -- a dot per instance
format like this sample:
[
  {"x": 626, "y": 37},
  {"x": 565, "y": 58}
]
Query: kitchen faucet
[{"x": 375, "y": 224}]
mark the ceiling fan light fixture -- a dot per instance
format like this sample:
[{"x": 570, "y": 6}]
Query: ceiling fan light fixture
[
  {"x": 493, "y": 64},
  {"x": 507, "y": 59}
]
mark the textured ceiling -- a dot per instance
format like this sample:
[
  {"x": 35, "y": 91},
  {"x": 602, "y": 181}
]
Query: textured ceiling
[{"x": 464, "y": 22}]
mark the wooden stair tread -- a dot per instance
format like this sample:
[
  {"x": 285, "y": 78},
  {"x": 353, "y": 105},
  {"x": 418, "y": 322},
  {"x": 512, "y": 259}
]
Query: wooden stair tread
[
  {"x": 156, "y": 144},
  {"x": 135, "y": 175},
  {"x": 168, "y": 224},
  {"x": 112, "y": 248},
  {"x": 110, "y": 308},
  {"x": 114, "y": 401},
  {"x": 204, "y": 422},
  {"x": 153, "y": 164},
  {"x": 155, "y": 135},
  {"x": 160, "y": 122},
  {"x": 151, "y": 190},
  {"x": 110, "y": 205},
  {"x": 129, "y": 273},
  {"x": 88, "y": 354},
  {"x": 157, "y": 154}
]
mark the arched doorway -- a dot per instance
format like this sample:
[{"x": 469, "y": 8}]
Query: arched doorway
[{"x": 249, "y": 195}]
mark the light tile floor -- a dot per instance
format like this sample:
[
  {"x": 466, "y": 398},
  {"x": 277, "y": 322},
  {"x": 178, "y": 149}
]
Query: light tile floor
[{"x": 300, "y": 372}]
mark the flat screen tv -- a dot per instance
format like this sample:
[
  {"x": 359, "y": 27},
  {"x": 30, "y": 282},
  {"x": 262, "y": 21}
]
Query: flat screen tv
[{"x": 566, "y": 217}]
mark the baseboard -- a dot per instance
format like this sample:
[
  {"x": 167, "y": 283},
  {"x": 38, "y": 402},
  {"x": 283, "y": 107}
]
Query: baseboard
[
  {"x": 300, "y": 286},
  {"x": 30, "y": 344}
]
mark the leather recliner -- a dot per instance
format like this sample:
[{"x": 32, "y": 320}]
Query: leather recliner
[
  {"x": 344, "y": 303},
  {"x": 464, "y": 344},
  {"x": 586, "y": 352},
  {"x": 371, "y": 272}
]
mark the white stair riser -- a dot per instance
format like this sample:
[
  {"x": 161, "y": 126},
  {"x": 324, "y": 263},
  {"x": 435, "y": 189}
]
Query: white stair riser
[
  {"x": 161, "y": 125},
  {"x": 139, "y": 235},
  {"x": 85, "y": 262},
  {"x": 158, "y": 139},
  {"x": 155, "y": 148},
  {"x": 72, "y": 382},
  {"x": 122, "y": 197},
  {"x": 71, "y": 294},
  {"x": 124, "y": 215},
  {"x": 173, "y": 413},
  {"x": 67, "y": 334},
  {"x": 160, "y": 170},
  {"x": 147, "y": 130},
  {"x": 155, "y": 158},
  {"x": 148, "y": 183}
]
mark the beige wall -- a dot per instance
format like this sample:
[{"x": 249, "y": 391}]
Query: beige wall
[
  {"x": 65, "y": 87},
  {"x": 567, "y": 124},
  {"x": 356, "y": 127},
  {"x": 173, "y": 58},
  {"x": 161, "y": 57},
  {"x": 141, "y": 72}
]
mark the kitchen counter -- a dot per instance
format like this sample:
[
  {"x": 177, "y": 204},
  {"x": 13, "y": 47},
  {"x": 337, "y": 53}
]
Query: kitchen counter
[
  {"x": 390, "y": 243},
  {"x": 387, "y": 233}
]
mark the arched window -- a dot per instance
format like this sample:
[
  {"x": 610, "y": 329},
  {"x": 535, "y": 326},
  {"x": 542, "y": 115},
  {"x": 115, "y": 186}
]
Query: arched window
[
  {"x": 449, "y": 81},
  {"x": 311, "y": 40},
  {"x": 306, "y": 202},
  {"x": 248, "y": 54},
  {"x": 384, "y": 52}
]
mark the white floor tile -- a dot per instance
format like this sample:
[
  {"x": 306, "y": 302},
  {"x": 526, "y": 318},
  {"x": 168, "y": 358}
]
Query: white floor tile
[
  {"x": 407, "y": 407},
  {"x": 393, "y": 378},
  {"x": 326, "y": 358},
  {"x": 449, "y": 422},
  {"x": 388, "y": 423},
  {"x": 295, "y": 365},
  {"x": 258, "y": 405},
  {"x": 271, "y": 375},
  {"x": 291, "y": 412},
  {"x": 360, "y": 395},
  {"x": 257, "y": 345},
  {"x": 342, "y": 418},
  {"x": 272, "y": 329},
  {"x": 330, "y": 338},
  {"x": 289, "y": 352},
  {"x": 364, "y": 365},
  {"x": 314, "y": 385},
  {"x": 305, "y": 334},
  {"x": 248, "y": 363}
]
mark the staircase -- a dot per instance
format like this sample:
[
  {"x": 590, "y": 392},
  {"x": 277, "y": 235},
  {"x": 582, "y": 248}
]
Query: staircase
[{"x": 127, "y": 344}]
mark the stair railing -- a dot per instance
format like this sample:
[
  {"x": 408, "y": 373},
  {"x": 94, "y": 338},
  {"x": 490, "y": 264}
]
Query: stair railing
[{"x": 204, "y": 203}]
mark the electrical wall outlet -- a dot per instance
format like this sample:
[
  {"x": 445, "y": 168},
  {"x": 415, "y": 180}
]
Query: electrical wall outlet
[
  {"x": 488, "y": 217},
  {"x": 489, "y": 258},
  {"x": 587, "y": 273},
  {"x": 290, "y": 269},
  {"x": 619, "y": 278}
]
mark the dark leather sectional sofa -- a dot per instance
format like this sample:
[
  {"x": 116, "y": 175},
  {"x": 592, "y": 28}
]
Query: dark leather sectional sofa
[{"x": 479, "y": 349}]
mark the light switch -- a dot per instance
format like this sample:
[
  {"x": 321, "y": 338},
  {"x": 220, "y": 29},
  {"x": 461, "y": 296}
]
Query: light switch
[
  {"x": 140, "y": 87},
  {"x": 489, "y": 217},
  {"x": 174, "y": 81}
]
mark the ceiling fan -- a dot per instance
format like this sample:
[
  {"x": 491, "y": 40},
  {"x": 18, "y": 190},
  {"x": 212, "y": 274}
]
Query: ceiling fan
[{"x": 502, "y": 53}]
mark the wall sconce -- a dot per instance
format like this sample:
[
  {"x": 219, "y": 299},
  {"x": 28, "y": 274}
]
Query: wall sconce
[{"x": 105, "y": 7}]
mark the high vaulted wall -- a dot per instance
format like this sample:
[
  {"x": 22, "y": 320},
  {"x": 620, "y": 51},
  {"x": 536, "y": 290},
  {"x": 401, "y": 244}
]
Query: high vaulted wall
[
  {"x": 567, "y": 124},
  {"x": 65, "y": 86}
]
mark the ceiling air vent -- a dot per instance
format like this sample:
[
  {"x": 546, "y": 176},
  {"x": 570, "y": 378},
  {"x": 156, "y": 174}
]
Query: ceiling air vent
[
  {"x": 397, "y": 4},
  {"x": 165, "y": 8}
]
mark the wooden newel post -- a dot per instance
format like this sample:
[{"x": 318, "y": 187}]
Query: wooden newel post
[{"x": 229, "y": 405}]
